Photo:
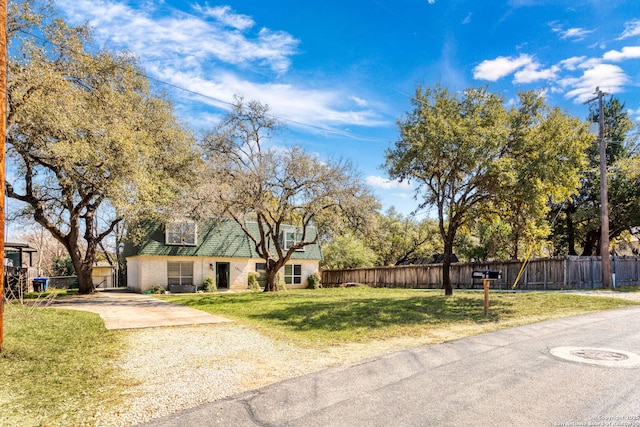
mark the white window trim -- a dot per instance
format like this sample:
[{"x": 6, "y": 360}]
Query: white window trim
[
  {"x": 185, "y": 235},
  {"x": 288, "y": 243},
  {"x": 290, "y": 279}
]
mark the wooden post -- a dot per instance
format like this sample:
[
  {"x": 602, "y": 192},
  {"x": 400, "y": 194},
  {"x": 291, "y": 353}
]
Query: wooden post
[
  {"x": 485, "y": 284},
  {"x": 3, "y": 133}
]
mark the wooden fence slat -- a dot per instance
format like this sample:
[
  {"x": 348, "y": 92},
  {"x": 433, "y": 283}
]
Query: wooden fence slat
[{"x": 543, "y": 273}]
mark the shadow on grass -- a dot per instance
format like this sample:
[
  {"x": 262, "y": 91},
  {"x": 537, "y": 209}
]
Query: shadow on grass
[
  {"x": 298, "y": 312},
  {"x": 378, "y": 313}
]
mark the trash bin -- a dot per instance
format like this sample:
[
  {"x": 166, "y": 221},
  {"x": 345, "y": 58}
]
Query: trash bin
[{"x": 40, "y": 284}]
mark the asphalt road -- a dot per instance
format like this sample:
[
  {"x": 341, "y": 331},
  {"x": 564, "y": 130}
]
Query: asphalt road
[{"x": 578, "y": 371}]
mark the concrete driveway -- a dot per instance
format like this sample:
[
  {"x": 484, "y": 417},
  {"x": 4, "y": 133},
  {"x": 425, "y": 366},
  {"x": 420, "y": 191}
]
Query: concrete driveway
[
  {"x": 577, "y": 371},
  {"x": 120, "y": 309}
]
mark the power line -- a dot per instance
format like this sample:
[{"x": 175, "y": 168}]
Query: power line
[{"x": 221, "y": 101}]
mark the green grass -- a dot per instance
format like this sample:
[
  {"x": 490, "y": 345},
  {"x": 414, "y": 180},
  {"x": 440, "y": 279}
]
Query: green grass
[
  {"x": 56, "y": 367},
  {"x": 325, "y": 317},
  {"x": 51, "y": 292},
  {"x": 627, "y": 289}
]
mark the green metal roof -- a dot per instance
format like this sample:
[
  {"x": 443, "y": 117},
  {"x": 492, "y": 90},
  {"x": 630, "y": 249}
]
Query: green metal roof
[{"x": 221, "y": 239}]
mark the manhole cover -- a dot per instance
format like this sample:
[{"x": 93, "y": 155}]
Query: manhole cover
[
  {"x": 595, "y": 354},
  {"x": 598, "y": 356}
]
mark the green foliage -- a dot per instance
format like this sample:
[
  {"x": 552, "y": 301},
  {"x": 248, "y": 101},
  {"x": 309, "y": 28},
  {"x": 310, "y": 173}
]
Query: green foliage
[
  {"x": 282, "y": 286},
  {"x": 156, "y": 289},
  {"x": 577, "y": 229},
  {"x": 252, "y": 281},
  {"x": 87, "y": 137},
  {"x": 62, "y": 266},
  {"x": 544, "y": 164},
  {"x": 471, "y": 157},
  {"x": 315, "y": 280},
  {"x": 398, "y": 239},
  {"x": 347, "y": 251},
  {"x": 208, "y": 285},
  {"x": 451, "y": 146}
]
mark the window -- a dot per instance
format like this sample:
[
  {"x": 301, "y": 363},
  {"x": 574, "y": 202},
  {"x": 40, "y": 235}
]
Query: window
[
  {"x": 262, "y": 271},
  {"x": 290, "y": 237},
  {"x": 293, "y": 274},
  {"x": 180, "y": 273},
  {"x": 181, "y": 233}
]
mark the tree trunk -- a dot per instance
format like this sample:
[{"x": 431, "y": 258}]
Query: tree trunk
[
  {"x": 271, "y": 270},
  {"x": 591, "y": 243},
  {"x": 571, "y": 236},
  {"x": 85, "y": 281},
  {"x": 446, "y": 267}
]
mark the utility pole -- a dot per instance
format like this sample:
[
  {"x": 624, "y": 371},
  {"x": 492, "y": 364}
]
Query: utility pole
[
  {"x": 3, "y": 134},
  {"x": 604, "y": 198}
]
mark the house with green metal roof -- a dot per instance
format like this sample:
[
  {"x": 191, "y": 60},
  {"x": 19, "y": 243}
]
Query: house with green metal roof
[{"x": 180, "y": 256}]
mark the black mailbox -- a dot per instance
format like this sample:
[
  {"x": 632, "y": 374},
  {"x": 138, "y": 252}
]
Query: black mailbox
[{"x": 486, "y": 274}]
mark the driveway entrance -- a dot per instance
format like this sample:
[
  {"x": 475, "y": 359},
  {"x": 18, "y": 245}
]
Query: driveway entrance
[{"x": 120, "y": 309}]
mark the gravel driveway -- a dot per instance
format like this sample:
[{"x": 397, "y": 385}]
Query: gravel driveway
[
  {"x": 177, "y": 357},
  {"x": 181, "y": 367}
]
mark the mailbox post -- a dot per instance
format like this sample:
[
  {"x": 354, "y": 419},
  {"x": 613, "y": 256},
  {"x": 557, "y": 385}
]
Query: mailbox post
[{"x": 487, "y": 276}]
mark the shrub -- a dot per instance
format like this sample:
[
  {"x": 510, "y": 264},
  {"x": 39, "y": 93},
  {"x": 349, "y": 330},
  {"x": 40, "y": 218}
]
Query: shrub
[
  {"x": 282, "y": 286},
  {"x": 252, "y": 281},
  {"x": 157, "y": 289},
  {"x": 208, "y": 285},
  {"x": 315, "y": 280},
  {"x": 62, "y": 266}
]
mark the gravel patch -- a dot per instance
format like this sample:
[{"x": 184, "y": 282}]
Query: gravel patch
[{"x": 176, "y": 368}]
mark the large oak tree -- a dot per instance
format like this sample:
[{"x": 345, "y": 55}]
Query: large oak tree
[
  {"x": 88, "y": 143},
  {"x": 471, "y": 156},
  {"x": 293, "y": 196}
]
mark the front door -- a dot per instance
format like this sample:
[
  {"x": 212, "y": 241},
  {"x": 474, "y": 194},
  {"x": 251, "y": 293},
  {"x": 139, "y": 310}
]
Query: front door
[{"x": 222, "y": 275}]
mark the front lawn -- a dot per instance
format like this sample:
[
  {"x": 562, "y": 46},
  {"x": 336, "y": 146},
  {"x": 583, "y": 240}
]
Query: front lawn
[
  {"x": 324, "y": 317},
  {"x": 56, "y": 367}
]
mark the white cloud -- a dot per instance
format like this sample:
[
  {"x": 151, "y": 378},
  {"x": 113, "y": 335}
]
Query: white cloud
[
  {"x": 226, "y": 16},
  {"x": 502, "y": 66},
  {"x": 573, "y": 63},
  {"x": 385, "y": 184},
  {"x": 632, "y": 28},
  {"x": 635, "y": 114},
  {"x": 532, "y": 73},
  {"x": 200, "y": 53},
  {"x": 359, "y": 101},
  {"x": 286, "y": 101},
  {"x": 628, "y": 52},
  {"x": 467, "y": 19},
  {"x": 576, "y": 34},
  {"x": 609, "y": 78},
  {"x": 182, "y": 35}
]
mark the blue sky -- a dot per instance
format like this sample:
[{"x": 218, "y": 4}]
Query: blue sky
[{"x": 340, "y": 73}]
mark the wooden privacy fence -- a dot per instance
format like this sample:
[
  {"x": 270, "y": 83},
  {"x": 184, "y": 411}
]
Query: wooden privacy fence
[{"x": 539, "y": 274}]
